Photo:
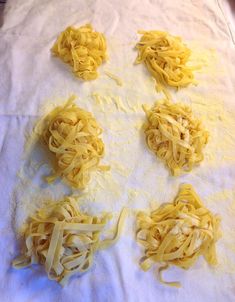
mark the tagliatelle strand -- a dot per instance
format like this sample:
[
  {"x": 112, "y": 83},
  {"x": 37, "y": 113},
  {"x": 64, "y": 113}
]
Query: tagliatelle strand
[
  {"x": 72, "y": 136},
  {"x": 63, "y": 239},
  {"x": 161, "y": 279},
  {"x": 178, "y": 233},
  {"x": 114, "y": 77},
  {"x": 175, "y": 136}
]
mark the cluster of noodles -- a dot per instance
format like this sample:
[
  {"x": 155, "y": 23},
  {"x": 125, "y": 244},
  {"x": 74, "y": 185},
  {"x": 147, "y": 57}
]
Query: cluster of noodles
[
  {"x": 178, "y": 233},
  {"x": 175, "y": 136},
  {"x": 83, "y": 49},
  {"x": 72, "y": 135},
  {"x": 63, "y": 239},
  {"x": 166, "y": 58}
]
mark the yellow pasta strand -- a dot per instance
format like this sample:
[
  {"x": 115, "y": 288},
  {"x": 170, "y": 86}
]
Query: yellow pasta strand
[
  {"x": 83, "y": 49},
  {"x": 166, "y": 58},
  {"x": 63, "y": 239},
  {"x": 72, "y": 136},
  {"x": 178, "y": 233},
  {"x": 175, "y": 136},
  {"x": 114, "y": 77}
]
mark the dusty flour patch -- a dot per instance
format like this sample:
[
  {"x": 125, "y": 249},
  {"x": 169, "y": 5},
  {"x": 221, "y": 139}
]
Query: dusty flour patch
[{"x": 218, "y": 119}]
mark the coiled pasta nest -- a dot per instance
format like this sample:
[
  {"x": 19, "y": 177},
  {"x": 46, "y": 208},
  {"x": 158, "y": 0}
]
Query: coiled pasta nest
[
  {"x": 63, "y": 239},
  {"x": 178, "y": 233},
  {"x": 166, "y": 58},
  {"x": 83, "y": 49},
  {"x": 72, "y": 136},
  {"x": 175, "y": 136}
]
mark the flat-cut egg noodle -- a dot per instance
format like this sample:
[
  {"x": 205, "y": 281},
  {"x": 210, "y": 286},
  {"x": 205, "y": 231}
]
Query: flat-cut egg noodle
[
  {"x": 166, "y": 58},
  {"x": 63, "y": 239},
  {"x": 175, "y": 136},
  {"x": 178, "y": 233},
  {"x": 72, "y": 135},
  {"x": 83, "y": 49}
]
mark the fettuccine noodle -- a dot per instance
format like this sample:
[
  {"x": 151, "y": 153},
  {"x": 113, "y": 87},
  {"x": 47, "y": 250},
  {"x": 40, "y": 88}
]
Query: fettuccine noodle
[
  {"x": 83, "y": 49},
  {"x": 178, "y": 233},
  {"x": 63, "y": 239},
  {"x": 166, "y": 58},
  {"x": 175, "y": 136},
  {"x": 114, "y": 77},
  {"x": 72, "y": 135}
]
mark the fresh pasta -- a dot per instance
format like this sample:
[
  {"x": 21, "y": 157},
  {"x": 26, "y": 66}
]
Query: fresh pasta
[
  {"x": 83, "y": 49},
  {"x": 114, "y": 77},
  {"x": 64, "y": 240},
  {"x": 178, "y": 233},
  {"x": 72, "y": 136},
  {"x": 166, "y": 58},
  {"x": 175, "y": 136}
]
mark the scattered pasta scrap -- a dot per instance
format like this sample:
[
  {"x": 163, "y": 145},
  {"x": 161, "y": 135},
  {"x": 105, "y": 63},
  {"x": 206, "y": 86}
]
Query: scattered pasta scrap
[
  {"x": 114, "y": 77},
  {"x": 72, "y": 136},
  {"x": 175, "y": 136},
  {"x": 178, "y": 233},
  {"x": 83, "y": 49},
  {"x": 166, "y": 58},
  {"x": 115, "y": 100},
  {"x": 63, "y": 239}
]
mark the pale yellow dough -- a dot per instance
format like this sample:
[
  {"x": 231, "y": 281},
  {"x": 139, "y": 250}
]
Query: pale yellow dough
[
  {"x": 178, "y": 233},
  {"x": 63, "y": 239}
]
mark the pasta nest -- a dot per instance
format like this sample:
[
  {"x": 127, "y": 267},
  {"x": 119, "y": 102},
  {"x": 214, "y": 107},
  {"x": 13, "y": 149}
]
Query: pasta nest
[
  {"x": 83, "y": 49},
  {"x": 178, "y": 233},
  {"x": 166, "y": 58},
  {"x": 175, "y": 136},
  {"x": 63, "y": 239},
  {"x": 72, "y": 136}
]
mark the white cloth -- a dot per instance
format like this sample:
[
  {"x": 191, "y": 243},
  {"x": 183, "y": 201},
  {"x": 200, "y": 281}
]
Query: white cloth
[{"x": 30, "y": 76}]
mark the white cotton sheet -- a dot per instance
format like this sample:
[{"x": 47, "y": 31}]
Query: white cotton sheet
[{"x": 32, "y": 81}]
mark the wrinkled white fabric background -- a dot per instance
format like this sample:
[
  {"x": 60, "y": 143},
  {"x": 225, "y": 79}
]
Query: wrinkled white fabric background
[{"x": 30, "y": 77}]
